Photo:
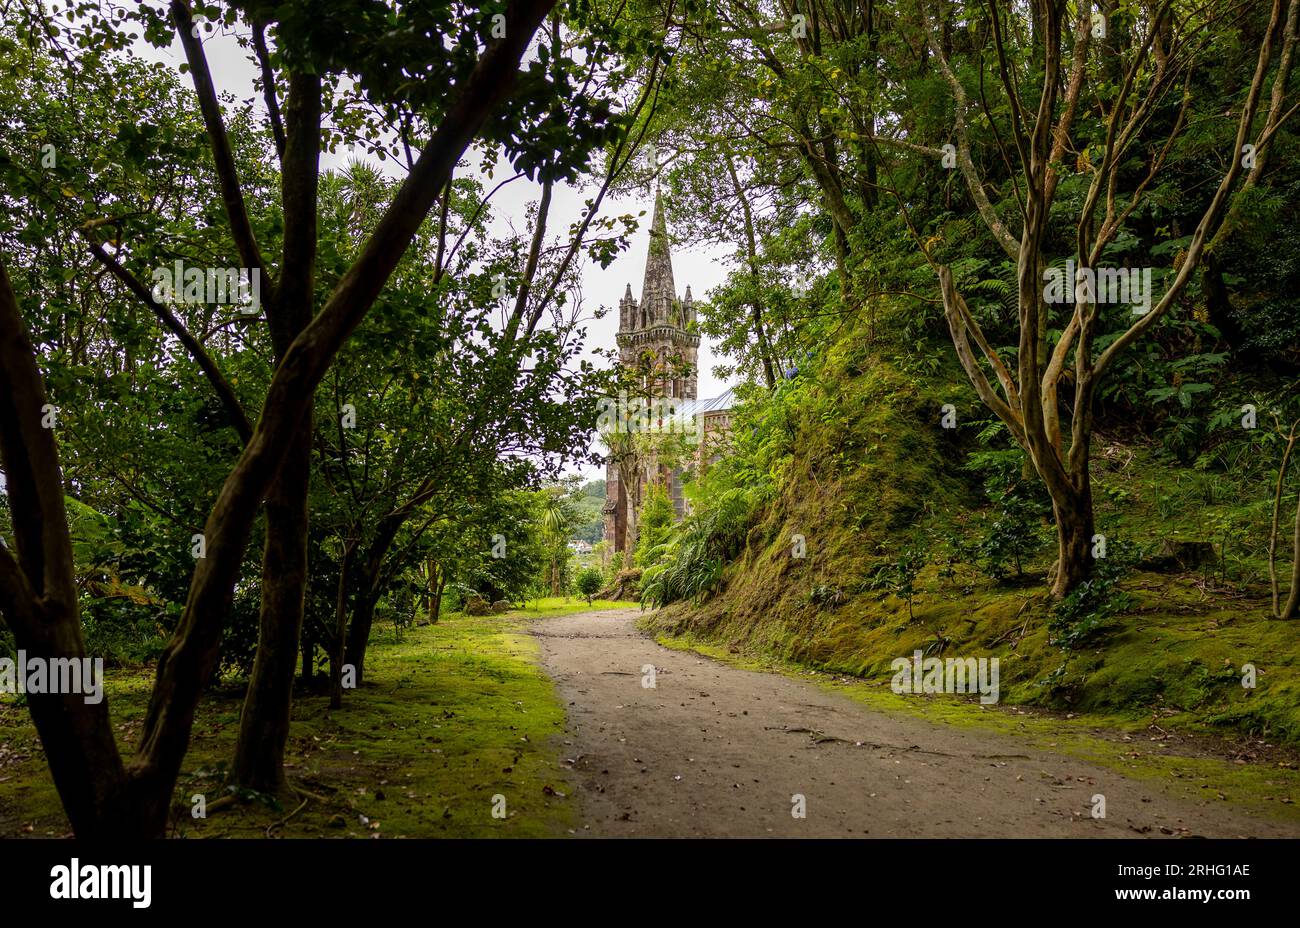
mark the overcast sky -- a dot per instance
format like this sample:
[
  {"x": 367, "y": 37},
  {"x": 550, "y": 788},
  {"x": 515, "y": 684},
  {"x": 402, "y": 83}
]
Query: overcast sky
[{"x": 233, "y": 73}]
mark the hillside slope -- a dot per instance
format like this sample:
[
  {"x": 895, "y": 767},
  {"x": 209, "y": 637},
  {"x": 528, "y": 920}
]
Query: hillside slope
[{"x": 887, "y": 504}]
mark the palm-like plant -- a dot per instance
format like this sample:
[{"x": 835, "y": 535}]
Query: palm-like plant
[{"x": 557, "y": 517}]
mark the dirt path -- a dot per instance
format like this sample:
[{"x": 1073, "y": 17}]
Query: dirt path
[{"x": 713, "y": 750}]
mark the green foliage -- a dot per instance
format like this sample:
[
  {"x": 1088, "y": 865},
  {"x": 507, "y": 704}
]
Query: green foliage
[
  {"x": 1182, "y": 428},
  {"x": 1013, "y": 535},
  {"x": 1083, "y": 617},
  {"x": 692, "y": 562},
  {"x": 1014, "y": 528},
  {"x": 898, "y": 575},
  {"x": 616, "y": 564},
  {"x": 654, "y": 526},
  {"x": 589, "y": 517},
  {"x": 588, "y": 582}
]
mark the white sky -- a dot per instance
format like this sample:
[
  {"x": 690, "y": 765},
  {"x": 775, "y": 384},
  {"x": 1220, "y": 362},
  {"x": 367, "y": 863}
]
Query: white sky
[{"x": 233, "y": 72}]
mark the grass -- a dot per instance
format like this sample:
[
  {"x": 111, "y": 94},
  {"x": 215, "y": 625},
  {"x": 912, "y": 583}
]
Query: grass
[
  {"x": 565, "y": 605},
  {"x": 451, "y": 717}
]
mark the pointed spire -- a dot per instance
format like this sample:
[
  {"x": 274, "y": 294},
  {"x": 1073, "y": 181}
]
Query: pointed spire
[
  {"x": 658, "y": 291},
  {"x": 627, "y": 294},
  {"x": 659, "y": 227}
]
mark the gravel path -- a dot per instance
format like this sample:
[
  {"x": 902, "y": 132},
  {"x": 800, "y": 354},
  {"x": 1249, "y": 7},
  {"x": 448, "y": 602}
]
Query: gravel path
[{"x": 712, "y": 750}]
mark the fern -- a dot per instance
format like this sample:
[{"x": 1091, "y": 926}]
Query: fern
[{"x": 690, "y": 566}]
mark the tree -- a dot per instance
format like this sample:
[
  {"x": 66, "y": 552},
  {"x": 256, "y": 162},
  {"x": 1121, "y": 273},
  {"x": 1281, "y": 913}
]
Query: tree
[
  {"x": 589, "y": 582},
  {"x": 1028, "y": 403},
  {"x": 102, "y": 794},
  {"x": 1291, "y": 608},
  {"x": 557, "y": 517}
]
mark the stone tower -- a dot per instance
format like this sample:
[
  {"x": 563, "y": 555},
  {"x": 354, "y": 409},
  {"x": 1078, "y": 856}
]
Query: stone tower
[
  {"x": 652, "y": 334},
  {"x": 656, "y": 340}
]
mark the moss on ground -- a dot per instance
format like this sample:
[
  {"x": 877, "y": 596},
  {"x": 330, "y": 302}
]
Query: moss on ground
[{"x": 450, "y": 716}]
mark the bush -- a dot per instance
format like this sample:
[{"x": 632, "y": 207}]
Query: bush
[
  {"x": 615, "y": 567},
  {"x": 1012, "y": 537},
  {"x": 589, "y": 583},
  {"x": 899, "y": 576},
  {"x": 1015, "y": 533},
  {"x": 1084, "y": 617},
  {"x": 125, "y": 632},
  {"x": 654, "y": 526}
]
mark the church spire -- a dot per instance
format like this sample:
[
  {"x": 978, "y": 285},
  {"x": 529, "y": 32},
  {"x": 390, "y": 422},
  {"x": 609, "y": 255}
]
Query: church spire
[{"x": 658, "y": 292}]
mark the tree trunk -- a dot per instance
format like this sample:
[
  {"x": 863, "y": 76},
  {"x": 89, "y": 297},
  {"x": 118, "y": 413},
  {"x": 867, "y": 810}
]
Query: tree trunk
[
  {"x": 264, "y": 723},
  {"x": 372, "y": 583},
  {"x": 337, "y": 641},
  {"x": 1292, "y": 608},
  {"x": 436, "y": 611},
  {"x": 308, "y": 658},
  {"x": 358, "y": 632},
  {"x": 1074, "y": 531},
  {"x": 1217, "y": 304},
  {"x": 78, "y": 740},
  {"x": 38, "y": 597},
  {"x": 630, "y": 535},
  {"x": 336, "y": 673},
  {"x": 430, "y": 574}
]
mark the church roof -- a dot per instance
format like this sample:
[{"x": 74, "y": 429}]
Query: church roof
[{"x": 701, "y": 407}]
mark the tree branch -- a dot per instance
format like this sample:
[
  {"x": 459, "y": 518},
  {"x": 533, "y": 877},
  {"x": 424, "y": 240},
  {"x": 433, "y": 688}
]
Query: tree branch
[
  {"x": 227, "y": 174},
  {"x": 220, "y": 386},
  {"x": 1194, "y": 250},
  {"x": 268, "y": 86},
  {"x": 1001, "y": 233}
]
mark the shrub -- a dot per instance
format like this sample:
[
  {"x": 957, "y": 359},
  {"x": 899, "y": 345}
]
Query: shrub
[
  {"x": 589, "y": 583},
  {"x": 1012, "y": 537},
  {"x": 654, "y": 526},
  {"x": 1019, "y": 505},
  {"x": 1083, "y": 617},
  {"x": 899, "y": 576}
]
